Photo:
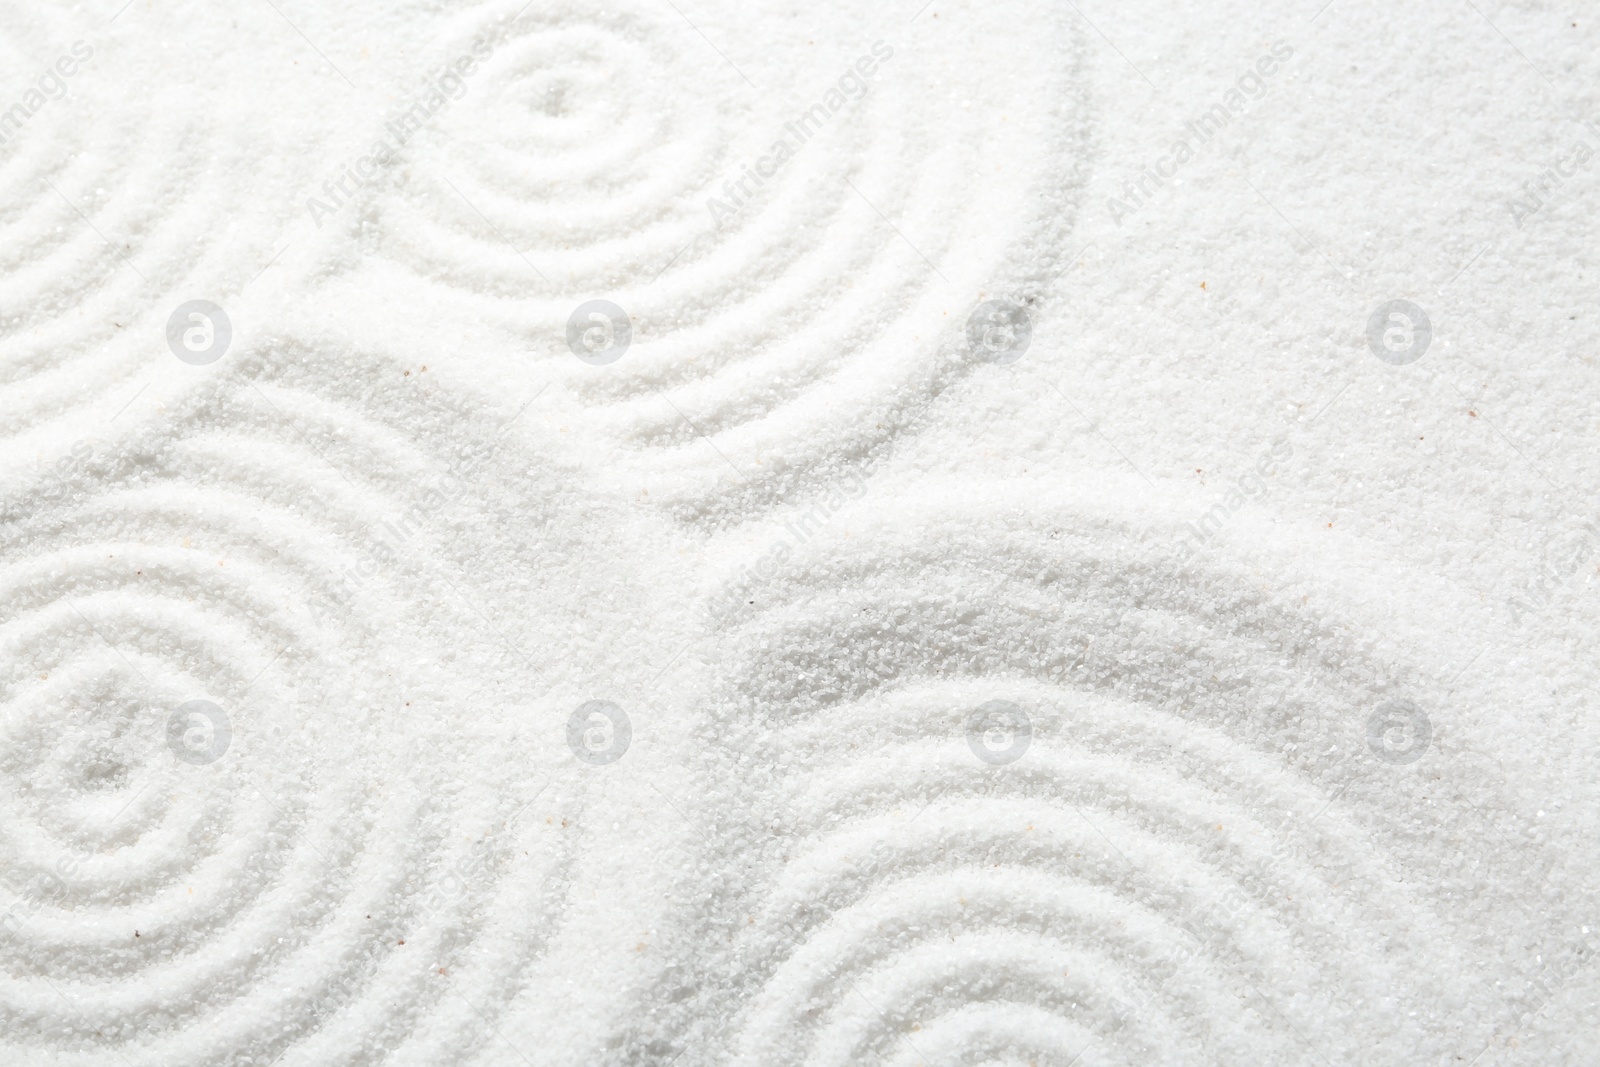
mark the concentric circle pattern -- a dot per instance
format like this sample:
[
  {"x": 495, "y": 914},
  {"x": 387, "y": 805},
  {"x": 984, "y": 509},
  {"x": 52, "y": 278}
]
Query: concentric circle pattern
[
  {"x": 1151, "y": 881},
  {"x": 796, "y": 228},
  {"x": 115, "y": 205},
  {"x": 343, "y": 876},
  {"x": 511, "y": 552}
]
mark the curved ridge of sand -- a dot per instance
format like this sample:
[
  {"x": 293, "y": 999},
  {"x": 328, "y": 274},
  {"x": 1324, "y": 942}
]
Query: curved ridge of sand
[{"x": 440, "y": 670}]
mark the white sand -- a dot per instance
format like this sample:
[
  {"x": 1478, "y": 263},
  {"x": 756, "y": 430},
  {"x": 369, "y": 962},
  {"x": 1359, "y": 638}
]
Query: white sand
[{"x": 402, "y": 667}]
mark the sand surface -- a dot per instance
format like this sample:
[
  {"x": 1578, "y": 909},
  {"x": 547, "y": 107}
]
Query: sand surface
[{"x": 682, "y": 532}]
